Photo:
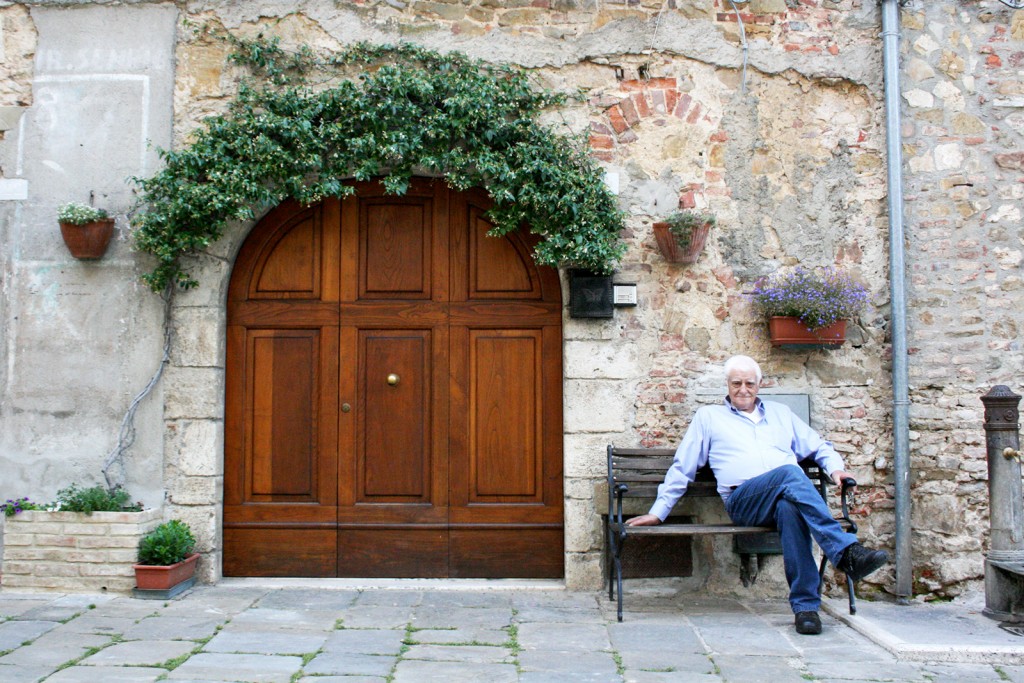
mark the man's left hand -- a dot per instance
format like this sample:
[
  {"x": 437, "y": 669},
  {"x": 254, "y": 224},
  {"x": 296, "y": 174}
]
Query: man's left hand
[{"x": 838, "y": 477}]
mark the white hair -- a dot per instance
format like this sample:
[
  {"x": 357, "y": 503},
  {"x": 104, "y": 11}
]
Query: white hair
[{"x": 742, "y": 363}]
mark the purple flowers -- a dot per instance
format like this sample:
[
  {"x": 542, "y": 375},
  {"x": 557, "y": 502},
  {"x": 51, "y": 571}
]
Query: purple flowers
[
  {"x": 13, "y": 507},
  {"x": 818, "y": 299}
]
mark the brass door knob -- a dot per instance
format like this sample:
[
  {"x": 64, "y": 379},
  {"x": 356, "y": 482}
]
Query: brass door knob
[
  {"x": 345, "y": 408},
  {"x": 393, "y": 379}
]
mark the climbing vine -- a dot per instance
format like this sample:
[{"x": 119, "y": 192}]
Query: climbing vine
[{"x": 305, "y": 125}]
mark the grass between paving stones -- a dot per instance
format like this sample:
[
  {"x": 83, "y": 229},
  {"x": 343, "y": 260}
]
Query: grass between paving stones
[
  {"x": 619, "y": 666},
  {"x": 175, "y": 662},
  {"x": 406, "y": 642},
  {"x": 67, "y": 619},
  {"x": 306, "y": 659},
  {"x": 114, "y": 640},
  {"x": 1003, "y": 676}
]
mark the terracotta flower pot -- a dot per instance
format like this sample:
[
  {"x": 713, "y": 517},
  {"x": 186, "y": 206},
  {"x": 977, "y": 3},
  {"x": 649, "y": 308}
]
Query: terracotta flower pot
[
  {"x": 89, "y": 240},
  {"x": 788, "y": 331},
  {"x": 676, "y": 252},
  {"x": 151, "y": 577}
]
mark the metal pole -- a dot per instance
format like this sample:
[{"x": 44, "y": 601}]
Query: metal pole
[{"x": 898, "y": 321}]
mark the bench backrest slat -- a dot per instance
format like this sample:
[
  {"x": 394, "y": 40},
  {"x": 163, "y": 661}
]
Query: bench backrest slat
[{"x": 643, "y": 469}]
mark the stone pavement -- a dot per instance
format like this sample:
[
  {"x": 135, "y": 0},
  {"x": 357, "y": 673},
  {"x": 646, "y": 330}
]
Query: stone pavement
[{"x": 332, "y": 632}]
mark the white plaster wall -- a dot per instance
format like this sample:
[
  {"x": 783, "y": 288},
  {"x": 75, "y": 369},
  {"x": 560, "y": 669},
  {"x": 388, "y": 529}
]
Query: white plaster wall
[{"x": 81, "y": 338}]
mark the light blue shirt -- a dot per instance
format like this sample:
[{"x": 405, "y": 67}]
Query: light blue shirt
[{"x": 740, "y": 449}]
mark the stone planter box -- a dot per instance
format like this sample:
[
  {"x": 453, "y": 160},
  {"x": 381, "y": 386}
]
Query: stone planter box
[{"x": 72, "y": 551}]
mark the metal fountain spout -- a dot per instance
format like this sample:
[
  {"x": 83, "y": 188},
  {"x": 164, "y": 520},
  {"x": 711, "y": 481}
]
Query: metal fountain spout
[{"x": 1004, "y": 564}]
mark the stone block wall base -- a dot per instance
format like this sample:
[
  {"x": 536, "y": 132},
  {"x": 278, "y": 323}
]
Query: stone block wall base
[{"x": 72, "y": 552}]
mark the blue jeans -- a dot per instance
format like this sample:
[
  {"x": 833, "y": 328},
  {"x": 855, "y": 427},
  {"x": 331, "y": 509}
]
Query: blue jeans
[{"x": 788, "y": 500}]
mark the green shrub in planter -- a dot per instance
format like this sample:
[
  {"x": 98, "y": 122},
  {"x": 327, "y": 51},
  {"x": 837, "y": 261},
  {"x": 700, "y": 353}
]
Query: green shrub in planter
[
  {"x": 167, "y": 544},
  {"x": 94, "y": 499}
]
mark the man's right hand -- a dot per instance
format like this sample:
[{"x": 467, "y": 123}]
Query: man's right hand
[{"x": 643, "y": 520}]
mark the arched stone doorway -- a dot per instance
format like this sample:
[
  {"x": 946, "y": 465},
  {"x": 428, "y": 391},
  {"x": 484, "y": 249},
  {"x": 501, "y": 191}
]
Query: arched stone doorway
[{"x": 393, "y": 401}]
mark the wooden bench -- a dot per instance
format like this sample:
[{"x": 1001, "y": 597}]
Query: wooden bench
[{"x": 637, "y": 472}]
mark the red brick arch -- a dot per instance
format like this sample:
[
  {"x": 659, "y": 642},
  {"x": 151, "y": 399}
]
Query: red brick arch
[{"x": 656, "y": 100}]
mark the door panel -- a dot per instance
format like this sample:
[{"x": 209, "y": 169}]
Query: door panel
[
  {"x": 504, "y": 416},
  {"x": 454, "y": 468},
  {"x": 395, "y": 454},
  {"x": 397, "y": 243},
  {"x": 283, "y": 455}
]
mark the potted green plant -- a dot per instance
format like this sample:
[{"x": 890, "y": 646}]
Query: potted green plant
[
  {"x": 809, "y": 308},
  {"x": 167, "y": 561},
  {"x": 86, "y": 230},
  {"x": 681, "y": 236}
]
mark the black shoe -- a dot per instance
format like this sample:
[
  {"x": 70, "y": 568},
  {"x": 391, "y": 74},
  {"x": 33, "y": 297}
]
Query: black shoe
[
  {"x": 859, "y": 561},
  {"x": 808, "y": 623}
]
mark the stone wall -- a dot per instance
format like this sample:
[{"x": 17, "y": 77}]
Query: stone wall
[
  {"x": 963, "y": 103},
  {"x": 770, "y": 116}
]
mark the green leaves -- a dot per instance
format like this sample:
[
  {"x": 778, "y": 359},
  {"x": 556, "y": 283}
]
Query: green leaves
[
  {"x": 167, "y": 544},
  {"x": 409, "y": 108}
]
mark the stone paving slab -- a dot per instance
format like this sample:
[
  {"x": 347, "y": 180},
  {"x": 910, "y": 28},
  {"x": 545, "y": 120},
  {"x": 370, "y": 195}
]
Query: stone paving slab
[
  {"x": 761, "y": 668},
  {"x": 678, "y": 637},
  {"x": 17, "y": 632},
  {"x": 277, "y": 642},
  {"x": 376, "y": 617},
  {"x": 583, "y": 637},
  {"x": 343, "y": 679},
  {"x": 23, "y": 674},
  {"x": 575, "y": 662},
  {"x": 54, "y": 648},
  {"x": 229, "y": 667},
  {"x": 449, "y": 672},
  {"x": 172, "y": 628},
  {"x": 481, "y": 654},
  {"x": 140, "y": 653},
  {"x": 667, "y": 658},
  {"x": 314, "y": 600},
  {"x": 470, "y": 636},
  {"x": 107, "y": 674},
  {"x": 259, "y": 619},
  {"x": 365, "y": 641},
  {"x": 350, "y": 664},
  {"x": 460, "y": 599},
  {"x": 92, "y": 623},
  {"x": 436, "y": 616},
  {"x": 15, "y": 606}
]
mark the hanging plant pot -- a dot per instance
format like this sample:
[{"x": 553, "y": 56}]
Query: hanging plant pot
[
  {"x": 88, "y": 241},
  {"x": 788, "y": 332},
  {"x": 684, "y": 248},
  {"x": 153, "y": 581}
]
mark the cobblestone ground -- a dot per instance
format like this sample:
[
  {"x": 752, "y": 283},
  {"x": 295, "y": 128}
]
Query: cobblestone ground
[{"x": 416, "y": 636}]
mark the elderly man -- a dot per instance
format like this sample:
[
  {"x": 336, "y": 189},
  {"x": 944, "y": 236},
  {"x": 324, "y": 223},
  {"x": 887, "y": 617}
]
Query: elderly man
[{"x": 753, "y": 448}]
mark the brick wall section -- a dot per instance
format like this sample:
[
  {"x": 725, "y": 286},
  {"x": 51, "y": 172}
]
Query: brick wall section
[{"x": 72, "y": 551}]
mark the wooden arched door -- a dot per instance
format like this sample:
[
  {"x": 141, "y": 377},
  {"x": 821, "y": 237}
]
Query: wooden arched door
[{"x": 394, "y": 401}]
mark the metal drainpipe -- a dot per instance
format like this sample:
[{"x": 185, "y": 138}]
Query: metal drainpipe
[{"x": 898, "y": 318}]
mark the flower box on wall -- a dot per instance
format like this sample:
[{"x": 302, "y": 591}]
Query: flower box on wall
[
  {"x": 789, "y": 332},
  {"x": 88, "y": 241},
  {"x": 73, "y": 551},
  {"x": 682, "y": 236}
]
